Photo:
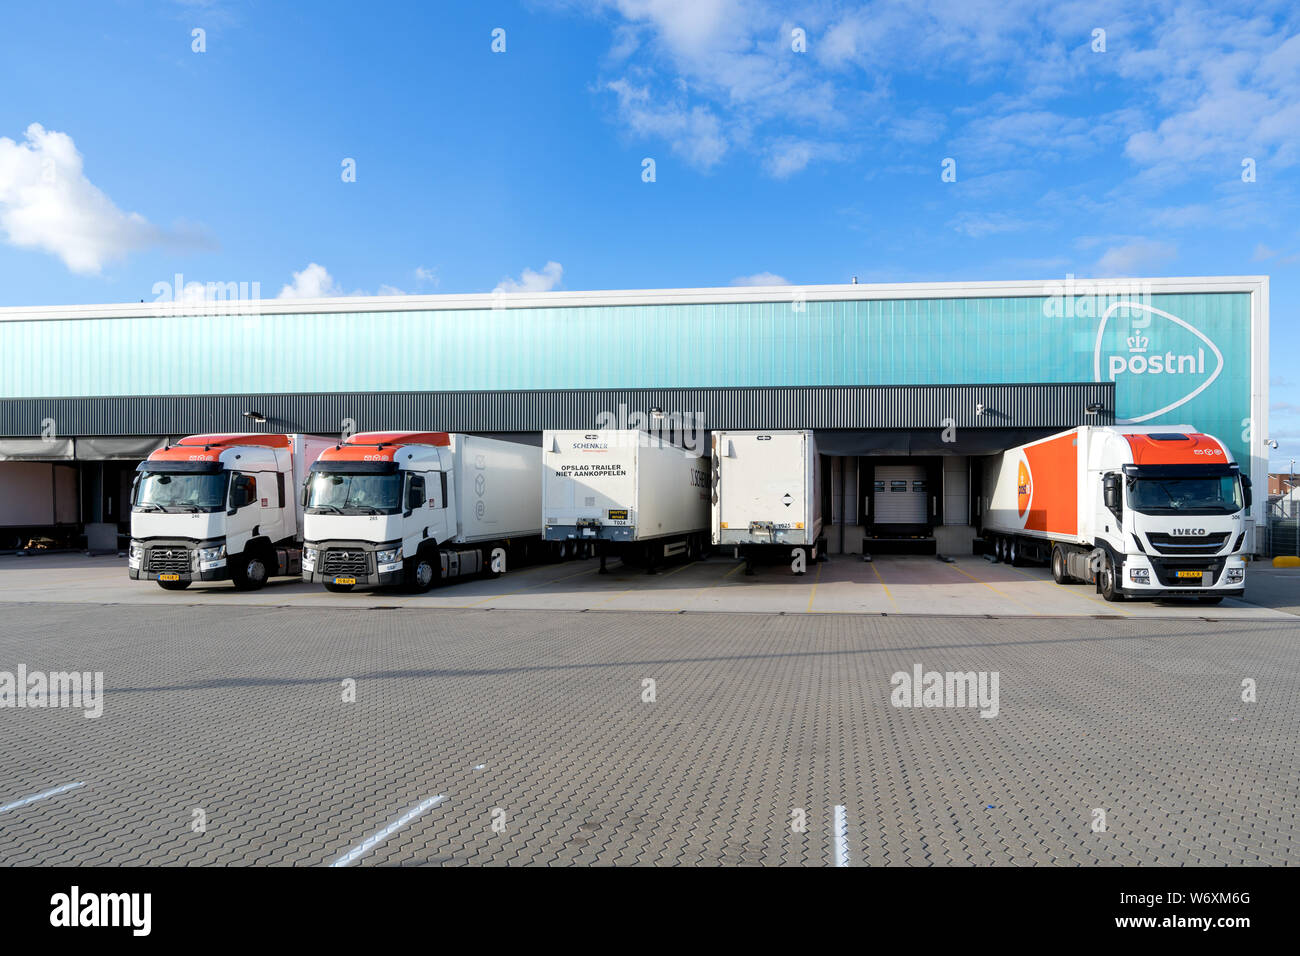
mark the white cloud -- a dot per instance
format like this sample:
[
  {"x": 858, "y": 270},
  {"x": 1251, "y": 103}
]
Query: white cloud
[
  {"x": 760, "y": 278},
  {"x": 789, "y": 156},
  {"x": 532, "y": 281},
  {"x": 1134, "y": 258},
  {"x": 694, "y": 133},
  {"x": 313, "y": 282},
  {"x": 426, "y": 276},
  {"x": 47, "y": 203}
]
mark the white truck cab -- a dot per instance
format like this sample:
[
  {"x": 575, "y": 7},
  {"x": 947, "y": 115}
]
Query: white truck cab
[
  {"x": 412, "y": 508},
  {"x": 220, "y": 507}
]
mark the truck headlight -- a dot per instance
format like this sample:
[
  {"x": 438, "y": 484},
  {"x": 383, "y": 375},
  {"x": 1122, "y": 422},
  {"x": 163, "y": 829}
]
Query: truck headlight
[
  {"x": 389, "y": 556},
  {"x": 1236, "y": 575},
  {"x": 212, "y": 554},
  {"x": 309, "y": 554},
  {"x": 1139, "y": 575}
]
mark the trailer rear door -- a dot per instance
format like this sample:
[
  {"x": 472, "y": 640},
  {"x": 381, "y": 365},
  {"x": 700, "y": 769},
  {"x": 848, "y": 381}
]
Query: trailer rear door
[{"x": 764, "y": 477}]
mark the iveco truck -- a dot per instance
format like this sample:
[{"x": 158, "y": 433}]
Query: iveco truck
[
  {"x": 1136, "y": 512},
  {"x": 628, "y": 493},
  {"x": 220, "y": 507},
  {"x": 767, "y": 496},
  {"x": 411, "y": 508}
]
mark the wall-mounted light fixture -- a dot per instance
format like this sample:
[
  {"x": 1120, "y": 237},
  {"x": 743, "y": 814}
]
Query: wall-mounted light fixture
[
  {"x": 1094, "y": 408},
  {"x": 256, "y": 416},
  {"x": 979, "y": 408}
]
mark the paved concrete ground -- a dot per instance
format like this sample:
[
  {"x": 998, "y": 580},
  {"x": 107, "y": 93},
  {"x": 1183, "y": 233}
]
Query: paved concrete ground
[
  {"x": 845, "y": 584},
  {"x": 537, "y": 721}
]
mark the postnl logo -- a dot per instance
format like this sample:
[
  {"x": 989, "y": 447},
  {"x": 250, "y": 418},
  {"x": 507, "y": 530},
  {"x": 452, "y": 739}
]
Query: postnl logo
[
  {"x": 1151, "y": 347},
  {"x": 1024, "y": 487}
]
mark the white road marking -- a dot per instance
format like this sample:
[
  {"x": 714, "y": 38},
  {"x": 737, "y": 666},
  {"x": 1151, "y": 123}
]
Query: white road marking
[
  {"x": 371, "y": 842},
  {"x": 841, "y": 836},
  {"x": 41, "y": 796}
]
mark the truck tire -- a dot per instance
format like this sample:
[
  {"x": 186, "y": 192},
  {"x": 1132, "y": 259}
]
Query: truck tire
[
  {"x": 251, "y": 571},
  {"x": 1014, "y": 557},
  {"x": 420, "y": 573},
  {"x": 1106, "y": 582},
  {"x": 1058, "y": 565},
  {"x": 999, "y": 549},
  {"x": 173, "y": 585}
]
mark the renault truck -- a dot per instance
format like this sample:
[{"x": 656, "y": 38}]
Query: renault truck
[
  {"x": 1137, "y": 512},
  {"x": 408, "y": 509},
  {"x": 625, "y": 493},
  {"x": 220, "y": 508},
  {"x": 766, "y": 498}
]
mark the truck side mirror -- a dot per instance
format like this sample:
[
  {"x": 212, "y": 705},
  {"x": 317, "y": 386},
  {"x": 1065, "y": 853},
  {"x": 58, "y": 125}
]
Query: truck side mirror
[
  {"x": 1110, "y": 492},
  {"x": 1246, "y": 492}
]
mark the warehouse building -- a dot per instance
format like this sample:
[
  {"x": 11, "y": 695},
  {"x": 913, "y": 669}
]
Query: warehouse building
[{"x": 908, "y": 387}]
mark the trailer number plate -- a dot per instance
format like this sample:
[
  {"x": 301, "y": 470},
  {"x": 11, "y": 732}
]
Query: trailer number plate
[
  {"x": 169, "y": 577},
  {"x": 1190, "y": 574},
  {"x": 345, "y": 580},
  {"x": 618, "y": 514}
]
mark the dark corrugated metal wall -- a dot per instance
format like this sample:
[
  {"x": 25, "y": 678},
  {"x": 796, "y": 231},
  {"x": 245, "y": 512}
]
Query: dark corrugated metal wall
[{"x": 821, "y": 407}]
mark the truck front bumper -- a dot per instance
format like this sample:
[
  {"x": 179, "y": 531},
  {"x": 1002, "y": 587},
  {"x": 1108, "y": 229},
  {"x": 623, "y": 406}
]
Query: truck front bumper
[
  {"x": 351, "y": 564},
  {"x": 1145, "y": 576},
  {"x": 178, "y": 561}
]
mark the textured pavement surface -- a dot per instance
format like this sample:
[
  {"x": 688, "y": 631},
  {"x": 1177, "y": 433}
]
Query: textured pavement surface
[
  {"x": 535, "y": 721},
  {"x": 844, "y": 585}
]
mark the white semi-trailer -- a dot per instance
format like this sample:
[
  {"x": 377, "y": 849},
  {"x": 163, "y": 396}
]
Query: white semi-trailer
[
  {"x": 767, "y": 496},
  {"x": 220, "y": 507},
  {"x": 1138, "y": 512},
  {"x": 625, "y": 492},
  {"x": 412, "y": 508}
]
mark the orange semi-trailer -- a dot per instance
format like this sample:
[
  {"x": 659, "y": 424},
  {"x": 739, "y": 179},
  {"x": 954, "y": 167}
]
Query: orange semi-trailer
[{"x": 1137, "y": 512}]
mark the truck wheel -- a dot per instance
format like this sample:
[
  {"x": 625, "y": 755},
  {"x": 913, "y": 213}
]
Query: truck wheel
[
  {"x": 999, "y": 549},
  {"x": 1058, "y": 565},
  {"x": 1013, "y": 553},
  {"x": 173, "y": 585},
  {"x": 250, "y": 572},
  {"x": 420, "y": 574},
  {"x": 1106, "y": 582}
]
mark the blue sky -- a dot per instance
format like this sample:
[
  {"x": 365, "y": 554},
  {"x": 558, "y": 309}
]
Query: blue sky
[{"x": 523, "y": 169}]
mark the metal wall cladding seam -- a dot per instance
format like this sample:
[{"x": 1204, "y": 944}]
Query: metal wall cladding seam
[{"x": 912, "y": 407}]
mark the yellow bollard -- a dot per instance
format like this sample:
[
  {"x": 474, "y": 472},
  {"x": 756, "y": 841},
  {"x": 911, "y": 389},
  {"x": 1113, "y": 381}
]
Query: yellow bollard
[{"x": 1286, "y": 561}]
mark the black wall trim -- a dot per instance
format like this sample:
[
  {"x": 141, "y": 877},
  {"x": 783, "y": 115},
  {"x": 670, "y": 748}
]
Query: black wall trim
[{"x": 1049, "y": 406}]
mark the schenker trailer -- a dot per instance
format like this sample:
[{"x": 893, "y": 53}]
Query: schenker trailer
[
  {"x": 628, "y": 493},
  {"x": 1137, "y": 512},
  {"x": 412, "y": 508}
]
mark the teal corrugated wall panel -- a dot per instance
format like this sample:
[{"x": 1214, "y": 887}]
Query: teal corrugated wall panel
[{"x": 881, "y": 342}]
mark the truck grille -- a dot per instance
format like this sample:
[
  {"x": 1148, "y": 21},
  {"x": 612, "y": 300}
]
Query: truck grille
[
  {"x": 1188, "y": 544},
  {"x": 344, "y": 562},
  {"x": 169, "y": 559}
]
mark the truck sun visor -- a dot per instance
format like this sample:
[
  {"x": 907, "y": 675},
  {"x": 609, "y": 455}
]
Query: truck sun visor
[
  {"x": 179, "y": 467},
  {"x": 354, "y": 467}
]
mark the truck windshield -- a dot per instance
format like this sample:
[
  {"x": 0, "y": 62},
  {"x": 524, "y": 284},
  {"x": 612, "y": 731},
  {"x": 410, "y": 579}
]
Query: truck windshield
[
  {"x": 1206, "y": 496},
  {"x": 158, "y": 491},
  {"x": 354, "y": 494}
]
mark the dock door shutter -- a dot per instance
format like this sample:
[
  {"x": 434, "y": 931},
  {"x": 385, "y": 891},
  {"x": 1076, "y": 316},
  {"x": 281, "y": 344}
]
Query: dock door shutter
[{"x": 900, "y": 495}]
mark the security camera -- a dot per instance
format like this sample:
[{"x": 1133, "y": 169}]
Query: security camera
[{"x": 979, "y": 409}]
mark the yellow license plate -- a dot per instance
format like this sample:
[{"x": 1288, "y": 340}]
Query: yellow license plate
[
  {"x": 169, "y": 577},
  {"x": 1190, "y": 574},
  {"x": 345, "y": 580}
]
